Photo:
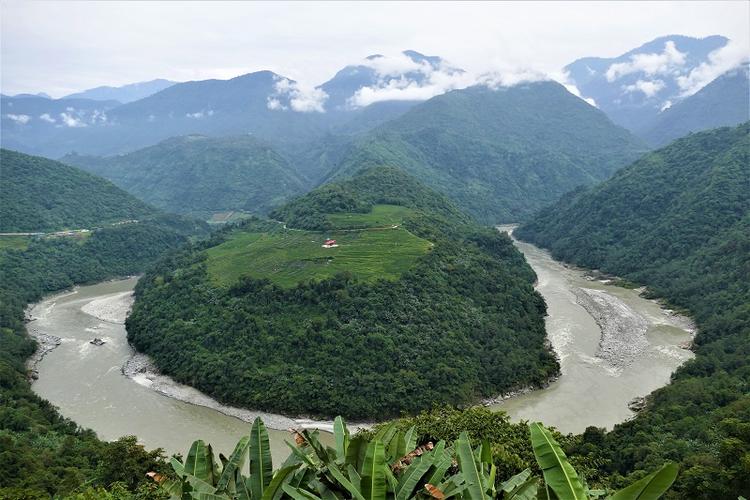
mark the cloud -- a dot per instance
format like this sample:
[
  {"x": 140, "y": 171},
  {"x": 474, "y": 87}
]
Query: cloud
[
  {"x": 71, "y": 121},
  {"x": 98, "y": 117},
  {"x": 22, "y": 119},
  {"x": 400, "y": 78},
  {"x": 666, "y": 105},
  {"x": 649, "y": 87},
  {"x": 651, "y": 64},
  {"x": 47, "y": 118},
  {"x": 300, "y": 98},
  {"x": 565, "y": 80},
  {"x": 720, "y": 61},
  {"x": 198, "y": 114}
]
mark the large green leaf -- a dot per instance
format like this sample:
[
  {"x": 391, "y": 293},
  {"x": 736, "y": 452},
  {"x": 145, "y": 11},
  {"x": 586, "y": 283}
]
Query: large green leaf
[
  {"x": 299, "y": 493},
  {"x": 274, "y": 490},
  {"x": 341, "y": 433},
  {"x": 261, "y": 467},
  {"x": 469, "y": 468},
  {"x": 515, "y": 481},
  {"x": 412, "y": 475},
  {"x": 650, "y": 487},
  {"x": 200, "y": 462},
  {"x": 353, "y": 489},
  {"x": 524, "y": 491},
  {"x": 234, "y": 464},
  {"x": 559, "y": 475},
  {"x": 373, "y": 472}
]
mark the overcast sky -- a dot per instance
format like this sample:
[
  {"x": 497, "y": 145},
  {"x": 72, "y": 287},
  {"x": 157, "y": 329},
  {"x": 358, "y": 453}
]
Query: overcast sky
[{"x": 62, "y": 47}]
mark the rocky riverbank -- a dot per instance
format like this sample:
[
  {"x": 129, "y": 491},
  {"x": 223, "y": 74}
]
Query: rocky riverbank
[{"x": 623, "y": 330}]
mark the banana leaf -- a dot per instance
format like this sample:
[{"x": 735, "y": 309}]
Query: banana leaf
[
  {"x": 261, "y": 466},
  {"x": 469, "y": 468},
  {"x": 199, "y": 462},
  {"x": 343, "y": 481},
  {"x": 341, "y": 434},
  {"x": 234, "y": 463},
  {"x": 524, "y": 491},
  {"x": 299, "y": 493},
  {"x": 274, "y": 490},
  {"x": 559, "y": 475},
  {"x": 412, "y": 475},
  {"x": 650, "y": 487},
  {"x": 373, "y": 472},
  {"x": 515, "y": 481}
]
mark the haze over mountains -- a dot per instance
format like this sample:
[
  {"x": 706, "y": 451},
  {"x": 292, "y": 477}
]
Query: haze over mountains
[{"x": 631, "y": 89}]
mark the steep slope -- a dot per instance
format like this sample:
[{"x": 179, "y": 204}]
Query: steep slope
[
  {"x": 412, "y": 305},
  {"x": 678, "y": 221},
  {"x": 37, "y": 194},
  {"x": 723, "y": 102},
  {"x": 499, "y": 154},
  {"x": 124, "y": 93},
  {"x": 200, "y": 175},
  {"x": 632, "y": 88}
]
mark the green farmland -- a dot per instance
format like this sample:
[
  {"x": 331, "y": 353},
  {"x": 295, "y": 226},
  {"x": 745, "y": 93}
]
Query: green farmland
[{"x": 290, "y": 256}]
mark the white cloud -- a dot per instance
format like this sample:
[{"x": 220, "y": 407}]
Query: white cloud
[
  {"x": 666, "y": 105},
  {"x": 71, "y": 121},
  {"x": 22, "y": 119},
  {"x": 649, "y": 87},
  {"x": 564, "y": 80},
  {"x": 720, "y": 61},
  {"x": 651, "y": 64},
  {"x": 98, "y": 117},
  {"x": 303, "y": 99},
  {"x": 47, "y": 118},
  {"x": 198, "y": 114},
  {"x": 274, "y": 104},
  {"x": 402, "y": 79}
]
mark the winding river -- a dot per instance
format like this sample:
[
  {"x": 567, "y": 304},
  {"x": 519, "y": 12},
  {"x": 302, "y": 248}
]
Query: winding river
[{"x": 600, "y": 375}]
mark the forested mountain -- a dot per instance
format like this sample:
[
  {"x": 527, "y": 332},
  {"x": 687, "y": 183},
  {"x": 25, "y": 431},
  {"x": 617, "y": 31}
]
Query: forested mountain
[
  {"x": 723, "y": 102},
  {"x": 43, "y": 454},
  {"x": 413, "y": 304},
  {"x": 678, "y": 221},
  {"x": 200, "y": 175},
  {"x": 634, "y": 87},
  {"x": 37, "y": 194},
  {"x": 500, "y": 154},
  {"x": 124, "y": 93}
]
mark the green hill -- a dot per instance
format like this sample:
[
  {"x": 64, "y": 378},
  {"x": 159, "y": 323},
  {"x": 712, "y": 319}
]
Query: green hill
[
  {"x": 499, "y": 154},
  {"x": 200, "y": 175},
  {"x": 426, "y": 305},
  {"x": 678, "y": 221},
  {"x": 44, "y": 454},
  {"x": 37, "y": 194}
]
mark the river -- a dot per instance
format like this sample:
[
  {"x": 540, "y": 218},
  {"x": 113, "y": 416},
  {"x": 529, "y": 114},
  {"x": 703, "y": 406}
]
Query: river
[
  {"x": 87, "y": 384},
  {"x": 596, "y": 385}
]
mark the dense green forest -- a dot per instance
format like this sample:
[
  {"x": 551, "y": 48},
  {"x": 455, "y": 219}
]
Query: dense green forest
[
  {"x": 200, "y": 175},
  {"x": 37, "y": 194},
  {"x": 678, "y": 221},
  {"x": 460, "y": 322},
  {"x": 500, "y": 154},
  {"x": 42, "y": 453}
]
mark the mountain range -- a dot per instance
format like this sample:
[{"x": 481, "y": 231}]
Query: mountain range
[{"x": 631, "y": 89}]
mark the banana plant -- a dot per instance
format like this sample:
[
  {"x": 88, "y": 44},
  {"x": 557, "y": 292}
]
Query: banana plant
[
  {"x": 201, "y": 477},
  {"x": 387, "y": 466},
  {"x": 562, "y": 479}
]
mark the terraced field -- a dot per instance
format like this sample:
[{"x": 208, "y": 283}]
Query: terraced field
[{"x": 286, "y": 257}]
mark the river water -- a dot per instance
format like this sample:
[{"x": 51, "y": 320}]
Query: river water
[
  {"x": 86, "y": 382},
  {"x": 595, "y": 388}
]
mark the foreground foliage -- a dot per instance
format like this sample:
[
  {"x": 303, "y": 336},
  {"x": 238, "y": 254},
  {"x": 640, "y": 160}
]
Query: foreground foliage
[
  {"x": 456, "y": 323},
  {"x": 387, "y": 463},
  {"x": 677, "y": 221}
]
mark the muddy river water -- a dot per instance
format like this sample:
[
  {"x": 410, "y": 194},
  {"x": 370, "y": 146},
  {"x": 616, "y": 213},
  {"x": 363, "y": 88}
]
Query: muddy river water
[{"x": 613, "y": 346}]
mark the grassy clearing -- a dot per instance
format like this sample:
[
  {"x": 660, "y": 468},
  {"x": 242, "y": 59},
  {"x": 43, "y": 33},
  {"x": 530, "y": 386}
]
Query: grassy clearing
[
  {"x": 380, "y": 216},
  {"x": 14, "y": 242},
  {"x": 289, "y": 257}
]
